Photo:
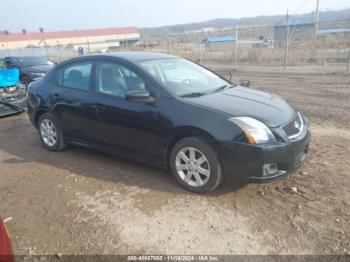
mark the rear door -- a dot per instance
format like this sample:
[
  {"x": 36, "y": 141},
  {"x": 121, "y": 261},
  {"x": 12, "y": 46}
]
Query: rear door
[{"x": 71, "y": 99}]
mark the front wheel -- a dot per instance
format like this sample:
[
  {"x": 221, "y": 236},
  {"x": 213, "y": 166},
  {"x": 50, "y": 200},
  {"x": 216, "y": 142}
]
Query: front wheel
[
  {"x": 195, "y": 165},
  {"x": 50, "y": 133}
]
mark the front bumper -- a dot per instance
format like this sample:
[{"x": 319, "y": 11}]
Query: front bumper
[
  {"x": 246, "y": 161},
  {"x": 13, "y": 102}
]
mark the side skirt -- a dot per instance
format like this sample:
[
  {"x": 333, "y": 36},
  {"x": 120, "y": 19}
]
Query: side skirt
[{"x": 120, "y": 152}]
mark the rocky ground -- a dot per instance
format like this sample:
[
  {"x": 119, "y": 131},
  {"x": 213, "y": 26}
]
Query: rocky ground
[{"x": 83, "y": 202}]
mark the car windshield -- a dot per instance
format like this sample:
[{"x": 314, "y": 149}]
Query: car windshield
[
  {"x": 2, "y": 63},
  {"x": 34, "y": 61},
  {"x": 184, "y": 78}
]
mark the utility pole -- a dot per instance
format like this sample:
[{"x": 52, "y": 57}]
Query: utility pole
[
  {"x": 125, "y": 42},
  {"x": 316, "y": 18},
  {"x": 348, "y": 65},
  {"x": 200, "y": 47},
  {"x": 169, "y": 42},
  {"x": 349, "y": 62},
  {"x": 146, "y": 41},
  {"x": 236, "y": 47},
  {"x": 287, "y": 43}
]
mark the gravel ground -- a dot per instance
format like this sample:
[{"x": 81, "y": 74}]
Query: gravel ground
[{"x": 83, "y": 202}]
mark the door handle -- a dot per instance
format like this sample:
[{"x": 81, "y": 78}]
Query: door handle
[
  {"x": 76, "y": 103},
  {"x": 99, "y": 107}
]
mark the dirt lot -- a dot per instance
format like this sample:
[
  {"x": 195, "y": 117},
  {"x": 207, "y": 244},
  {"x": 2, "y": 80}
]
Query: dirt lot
[{"x": 83, "y": 202}]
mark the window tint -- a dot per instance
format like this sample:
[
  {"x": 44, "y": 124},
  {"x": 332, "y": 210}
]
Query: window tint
[
  {"x": 115, "y": 79},
  {"x": 77, "y": 76}
]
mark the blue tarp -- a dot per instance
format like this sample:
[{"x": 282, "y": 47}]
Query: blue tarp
[{"x": 9, "y": 77}]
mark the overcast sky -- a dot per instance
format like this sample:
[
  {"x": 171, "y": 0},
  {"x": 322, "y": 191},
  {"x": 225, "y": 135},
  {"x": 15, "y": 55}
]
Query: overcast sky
[{"x": 82, "y": 14}]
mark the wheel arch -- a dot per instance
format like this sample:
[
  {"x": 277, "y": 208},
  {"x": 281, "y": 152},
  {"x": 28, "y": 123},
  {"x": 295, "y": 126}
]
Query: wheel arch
[
  {"x": 38, "y": 114},
  {"x": 189, "y": 131}
]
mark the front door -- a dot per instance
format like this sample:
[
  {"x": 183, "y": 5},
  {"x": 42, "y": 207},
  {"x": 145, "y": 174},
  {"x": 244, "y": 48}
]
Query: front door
[{"x": 118, "y": 121}]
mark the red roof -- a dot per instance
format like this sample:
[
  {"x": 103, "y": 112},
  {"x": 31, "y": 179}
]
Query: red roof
[{"x": 67, "y": 34}]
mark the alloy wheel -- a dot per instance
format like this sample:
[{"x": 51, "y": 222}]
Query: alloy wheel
[
  {"x": 48, "y": 132},
  {"x": 192, "y": 166}
]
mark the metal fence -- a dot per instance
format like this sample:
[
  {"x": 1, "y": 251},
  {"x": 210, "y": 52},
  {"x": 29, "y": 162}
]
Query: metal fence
[
  {"x": 259, "y": 48},
  {"x": 58, "y": 52},
  {"x": 262, "y": 46}
]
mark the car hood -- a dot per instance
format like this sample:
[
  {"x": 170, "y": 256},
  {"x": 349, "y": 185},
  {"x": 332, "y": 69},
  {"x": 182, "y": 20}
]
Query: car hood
[
  {"x": 242, "y": 101},
  {"x": 39, "y": 68}
]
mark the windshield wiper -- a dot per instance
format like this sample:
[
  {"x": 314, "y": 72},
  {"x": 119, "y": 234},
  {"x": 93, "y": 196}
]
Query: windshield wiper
[
  {"x": 222, "y": 88},
  {"x": 193, "y": 94},
  {"x": 196, "y": 94}
]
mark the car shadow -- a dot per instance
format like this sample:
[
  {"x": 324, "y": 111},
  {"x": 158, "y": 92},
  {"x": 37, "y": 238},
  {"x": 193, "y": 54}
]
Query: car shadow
[{"x": 20, "y": 139}]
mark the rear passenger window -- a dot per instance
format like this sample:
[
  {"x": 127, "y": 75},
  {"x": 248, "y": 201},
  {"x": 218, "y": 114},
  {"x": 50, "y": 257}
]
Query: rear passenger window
[{"x": 77, "y": 76}]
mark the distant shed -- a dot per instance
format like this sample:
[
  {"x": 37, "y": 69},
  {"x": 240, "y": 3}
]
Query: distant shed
[
  {"x": 219, "y": 42},
  {"x": 299, "y": 31}
]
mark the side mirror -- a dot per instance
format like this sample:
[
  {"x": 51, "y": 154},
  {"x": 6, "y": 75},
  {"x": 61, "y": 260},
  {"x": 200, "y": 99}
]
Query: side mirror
[
  {"x": 141, "y": 96},
  {"x": 245, "y": 83}
]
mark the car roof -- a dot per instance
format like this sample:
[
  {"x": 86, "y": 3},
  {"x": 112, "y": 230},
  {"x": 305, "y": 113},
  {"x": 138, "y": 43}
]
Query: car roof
[
  {"x": 133, "y": 57},
  {"x": 140, "y": 56},
  {"x": 18, "y": 57}
]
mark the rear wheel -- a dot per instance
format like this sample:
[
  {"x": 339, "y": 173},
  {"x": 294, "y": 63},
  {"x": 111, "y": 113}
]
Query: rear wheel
[
  {"x": 195, "y": 165},
  {"x": 50, "y": 133}
]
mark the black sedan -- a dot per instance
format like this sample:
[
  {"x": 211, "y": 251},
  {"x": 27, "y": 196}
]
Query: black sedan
[
  {"x": 169, "y": 112},
  {"x": 30, "y": 68}
]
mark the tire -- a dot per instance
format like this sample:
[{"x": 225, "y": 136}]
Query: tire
[
  {"x": 186, "y": 170},
  {"x": 25, "y": 80},
  {"x": 50, "y": 133}
]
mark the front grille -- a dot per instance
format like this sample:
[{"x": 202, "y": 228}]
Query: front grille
[{"x": 294, "y": 128}]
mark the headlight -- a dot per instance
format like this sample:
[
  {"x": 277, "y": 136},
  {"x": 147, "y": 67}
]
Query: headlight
[
  {"x": 36, "y": 74},
  {"x": 255, "y": 131}
]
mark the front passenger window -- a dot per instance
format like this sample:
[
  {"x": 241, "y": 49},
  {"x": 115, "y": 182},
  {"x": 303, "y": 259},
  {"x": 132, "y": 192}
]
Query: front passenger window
[
  {"x": 117, "y": 80},
  {"x": 77, "y": 76}
]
